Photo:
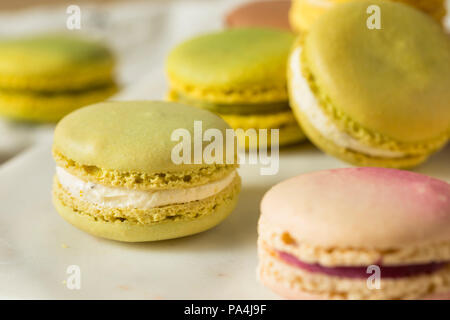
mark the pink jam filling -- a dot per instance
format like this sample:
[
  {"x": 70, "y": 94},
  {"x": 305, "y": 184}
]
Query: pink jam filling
[{"x": 400, "y": 271}]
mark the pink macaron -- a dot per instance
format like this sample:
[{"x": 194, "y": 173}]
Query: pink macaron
[
  {"x": 356, "y": 233},
  {"x": 260, "y": 13}
]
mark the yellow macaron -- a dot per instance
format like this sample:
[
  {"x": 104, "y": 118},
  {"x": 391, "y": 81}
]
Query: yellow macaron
[{"x": 43, "y": 77}]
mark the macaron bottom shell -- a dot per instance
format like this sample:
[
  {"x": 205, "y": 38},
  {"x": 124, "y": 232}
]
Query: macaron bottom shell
[
  {"x": 295, "y": 283},
  {"x": 283, "y": 120},
  {"x": 290, "y": 294},
  {"x": 288, "y": 135},
  {"x": 351, "y": 156},
  {"x": 169, "y": 228},
  {"x": 289, "y": 131},
  {"x": 51, "y": 107}
]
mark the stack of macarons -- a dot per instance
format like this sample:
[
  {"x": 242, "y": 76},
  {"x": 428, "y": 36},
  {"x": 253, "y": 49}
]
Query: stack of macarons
[
  {"x": 379, "y": 97},
  {"x": 304, "y": 13},
  {"x": 116, "y": 177},
  {"x": 45, "y": 76},
  {"x": 239, "y": 74},
  {"x": 356, "y": 233}
]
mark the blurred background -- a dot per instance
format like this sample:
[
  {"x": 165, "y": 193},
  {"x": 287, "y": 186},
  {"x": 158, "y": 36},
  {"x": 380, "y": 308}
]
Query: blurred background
[{"x": 140, "y": 33}]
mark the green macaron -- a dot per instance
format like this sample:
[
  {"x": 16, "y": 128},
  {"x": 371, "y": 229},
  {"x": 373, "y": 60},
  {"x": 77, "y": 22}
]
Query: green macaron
[
  {"x": 117, "y": 177},
  {"x": 373, "y": 96},
  {"x": 239, "y": 74},
  {"x": 45, "y": 76}
]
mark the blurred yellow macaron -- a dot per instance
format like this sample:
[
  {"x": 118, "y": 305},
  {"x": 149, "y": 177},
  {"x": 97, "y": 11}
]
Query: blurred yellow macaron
[
  {"x": 304, "y": 13},
  {"x": 239, "y": 74},
  {"x": 45, "y": 76},
  {"x": 373, "y": 97}
]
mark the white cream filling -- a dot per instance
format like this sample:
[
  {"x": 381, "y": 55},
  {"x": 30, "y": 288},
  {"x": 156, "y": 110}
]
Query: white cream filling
[
  {"x": 305, "y": 99},
  {"x": 112, "y": 197}
]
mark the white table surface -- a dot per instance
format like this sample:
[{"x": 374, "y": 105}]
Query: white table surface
[{"x": 217, "y": 264}]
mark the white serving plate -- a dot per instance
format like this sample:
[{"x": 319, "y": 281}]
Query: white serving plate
[{"x": 37, "y": 246}]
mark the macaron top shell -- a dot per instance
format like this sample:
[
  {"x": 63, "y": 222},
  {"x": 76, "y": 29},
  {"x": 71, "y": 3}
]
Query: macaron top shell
[
  {"x": 394, "y": 81},
  {"x": 370, "y": 208},
  {"x": 52, "y": 55},
  {"x": 132, "y": 136},
  {"x": 236, "y": 59}
]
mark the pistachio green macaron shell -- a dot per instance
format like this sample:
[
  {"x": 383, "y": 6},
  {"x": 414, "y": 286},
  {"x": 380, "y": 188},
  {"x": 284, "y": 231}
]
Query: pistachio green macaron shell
[
  {"x": 54, "y": 61},
  {"x": 132, "y": 136},
  {"x": 35, "y": 106},
  {"x": 127, "y": 232},
  {"x": 393, "y": 81},
  {"x": 43, "y": 77},
  {"x": 160, "y": 223},
  {"x": 239, "y": 65},
  {"x": 239, "y": 74}
]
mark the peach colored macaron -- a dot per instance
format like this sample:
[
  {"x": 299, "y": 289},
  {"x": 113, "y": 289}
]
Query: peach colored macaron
[
  {"x": 356, "y": 233},
  {"x": 260, "y": 13}
]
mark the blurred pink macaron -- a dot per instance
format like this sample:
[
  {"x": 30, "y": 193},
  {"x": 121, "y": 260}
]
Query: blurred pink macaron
[
  {"x": 356, "y": 233},
  {"x": 264, "y": 13}
]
